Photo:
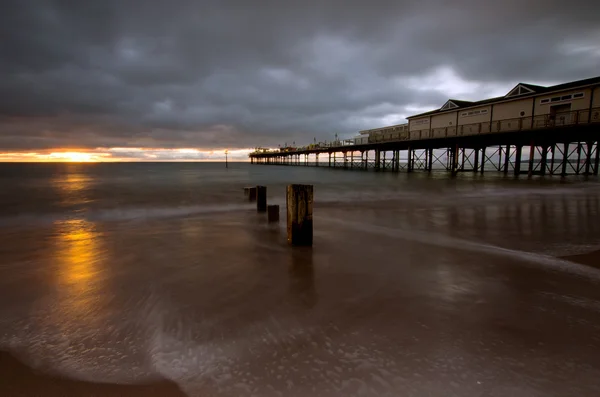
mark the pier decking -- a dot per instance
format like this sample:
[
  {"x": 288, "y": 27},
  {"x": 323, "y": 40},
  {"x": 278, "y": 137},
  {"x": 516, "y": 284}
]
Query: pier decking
[{"x": 552, "y": 139}]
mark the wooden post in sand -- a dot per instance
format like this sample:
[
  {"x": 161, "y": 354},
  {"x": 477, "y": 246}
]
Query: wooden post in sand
[
  {"x": 251, "y": 193},
  {"x": 299, "y": 202},
  {"x": 272, "y": 213},
  {"x": 261, "y": 198}
]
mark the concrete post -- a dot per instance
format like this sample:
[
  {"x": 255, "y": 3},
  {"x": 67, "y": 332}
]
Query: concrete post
[
  {"x": 299, "y": 203},
  {"x": 261, "y": 198}
]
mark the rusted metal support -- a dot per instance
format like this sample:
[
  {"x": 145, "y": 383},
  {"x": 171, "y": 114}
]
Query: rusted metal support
[
  {"x": 329, "y": 159},
  {"x": 410, "y": 160},
  {"x": 261, "y": 198},
  {"x": 578, "y": 169},
  {"x": 366, "y": 160},
  {"x": 352, "y": 159},
  {"x": 552, "y": 156},
  {"x": 476, "y": 161},
  {"x": 597, "y": 159},
  {"x": 299, "y": 203},
  {"x": 506, "y": 159},
  {"x": 377, "y": 159}
]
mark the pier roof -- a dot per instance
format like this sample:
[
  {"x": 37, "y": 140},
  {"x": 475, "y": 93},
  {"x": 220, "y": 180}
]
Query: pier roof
[{"x": 516, "y": 93}]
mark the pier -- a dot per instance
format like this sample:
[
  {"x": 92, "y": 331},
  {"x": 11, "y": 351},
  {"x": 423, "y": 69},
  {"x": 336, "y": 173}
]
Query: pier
[{"x": 547, "y": 138}]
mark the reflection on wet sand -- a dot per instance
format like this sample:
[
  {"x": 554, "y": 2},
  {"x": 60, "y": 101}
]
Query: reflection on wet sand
[
  {"x": 302, "y": 277},
  {"x": 77, "y": 254}
]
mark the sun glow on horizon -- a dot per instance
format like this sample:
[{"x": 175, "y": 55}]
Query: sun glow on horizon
[
  {"x": 118, "y": 154},
  {"x": 75, "y": 157}
]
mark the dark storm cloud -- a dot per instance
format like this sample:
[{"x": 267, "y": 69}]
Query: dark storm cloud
[{"x": 238, "y": 73}]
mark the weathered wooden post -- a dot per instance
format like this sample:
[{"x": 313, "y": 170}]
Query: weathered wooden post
[
  {"x": 261, "y": 198},
  {"x": 272, "y": 213},
  {"x": 299, "y": 202},
  {"x": 251, "y": 193}
]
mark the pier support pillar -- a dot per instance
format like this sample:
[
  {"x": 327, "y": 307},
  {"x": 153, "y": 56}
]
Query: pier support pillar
[
  {"x": 565, "y": 160},
  {"x": 476, "y": 161},
  {"x": 411, "y": 159},
  {"x": 345, "y": 160},
  {"x": 366, "y": 160},
  {"x": 544, "y": 159},
  {"x": 482, "y": 166},
  {"x": 588, "y": 157},
  {"x": 506, "y": 159},
  {"x": 518, "y": 152},
  {"x": 531, "y": 158},
  {"x": 578, "y": 170},
  {"x": 377, "y": 159},
  {"x": 597, "y": 159},
  {"x": 329, "y": 159},
  {"x": 261, "y": 198},
  {"x": 430, "y": 158},
  {"x": 316, "y": 159},
  {"x": 454, "y": 162},
  {"x": 299, "y": 203}
]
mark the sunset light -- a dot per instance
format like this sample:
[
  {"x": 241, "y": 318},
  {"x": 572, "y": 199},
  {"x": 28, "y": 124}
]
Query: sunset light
[
  {"x": 78, "y": 157},
  {"x": 125, "y": 155}
]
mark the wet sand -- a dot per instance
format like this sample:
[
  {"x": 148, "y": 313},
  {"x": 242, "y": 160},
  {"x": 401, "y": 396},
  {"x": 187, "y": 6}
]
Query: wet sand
[
  {"x": 18, "y": 380},
  {"x": 446, "y": 289},
  {"x": 589, "y": 259}
]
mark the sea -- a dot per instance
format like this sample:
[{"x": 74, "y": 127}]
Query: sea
[{"x": 417, "y": 284}]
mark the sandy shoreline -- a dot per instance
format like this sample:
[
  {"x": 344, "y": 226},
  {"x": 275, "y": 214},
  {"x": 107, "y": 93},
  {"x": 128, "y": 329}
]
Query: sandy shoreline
[{"x": 19, "y": 380}]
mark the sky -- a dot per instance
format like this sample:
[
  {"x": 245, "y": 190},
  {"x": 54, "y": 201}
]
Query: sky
[{"x": 186, "y": 79}]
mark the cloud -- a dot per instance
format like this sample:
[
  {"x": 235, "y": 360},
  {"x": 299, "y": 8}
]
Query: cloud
[{"x": 236, "y": 74}]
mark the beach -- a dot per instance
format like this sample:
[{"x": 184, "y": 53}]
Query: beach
[{"x": 150, "y": 279}]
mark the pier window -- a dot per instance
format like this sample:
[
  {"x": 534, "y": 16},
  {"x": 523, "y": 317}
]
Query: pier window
[
  {"x": 474, "y": 113},
  {"x": 562, "y": 98}
]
